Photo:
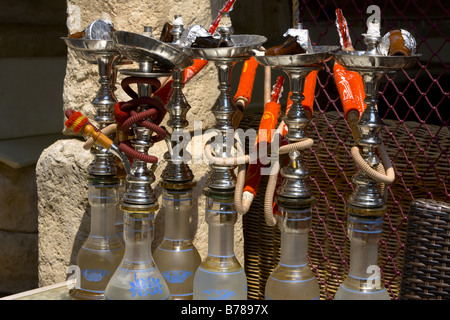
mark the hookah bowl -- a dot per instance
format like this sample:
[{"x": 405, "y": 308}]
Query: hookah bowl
[
  {"x": 292, "y": 279},
  {"x": 102, "y": 251},
  {"x": 220, "y": 276},
  {"x": 138, "y": 276},
  {"x": 366, "y": 205}
]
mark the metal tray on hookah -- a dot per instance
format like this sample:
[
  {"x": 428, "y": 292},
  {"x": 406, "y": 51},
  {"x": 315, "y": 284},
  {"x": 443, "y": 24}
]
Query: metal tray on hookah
[
  {"x": 90, "y": 50},
  {"x": 243, "y": 47},
  {"x": 138, "y": 47},
  {"x": 320, "y": 54},
  {"x": 360, "y": 61}
]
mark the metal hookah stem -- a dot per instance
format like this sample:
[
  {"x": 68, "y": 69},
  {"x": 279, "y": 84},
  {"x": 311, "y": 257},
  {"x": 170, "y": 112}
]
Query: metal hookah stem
[
  {"x": 139, "y": 190},
  {"x": 105, "y": 99},
  {"x": 367, "y": 193},
  {"x": 177, "y": 169},
  {"x": 176, "y": 256},
  {"x": 222, "y": 177},
  {"x": 104, "y": 102},
  {"x": 296, "y": 184}
]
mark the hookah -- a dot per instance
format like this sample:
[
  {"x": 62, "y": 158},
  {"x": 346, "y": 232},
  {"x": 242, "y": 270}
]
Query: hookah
[
  {"x": 102, "y": 251},
  {"x": 220, "y": 276},
  {"x": 137, "y": 276},
  {"x": 293, "y": 278},
  {"x": 366, "y": 205},
  {"x": 176, "y": 256}
]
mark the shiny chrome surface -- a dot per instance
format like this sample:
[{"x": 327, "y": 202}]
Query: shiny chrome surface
[
  {"x": 243, "y": 47},
  {"x": 296, "y": 183},
  {"x": 358, "y": 61},
  {"x": 321, "y": 54},
  {"x": 90, "y": 50},
  {"x": 138, "y": 47},
  {"x": 139, "y": 73},
  {"x": 177, "y": 170},
  {"x": 222, "y": 177}
]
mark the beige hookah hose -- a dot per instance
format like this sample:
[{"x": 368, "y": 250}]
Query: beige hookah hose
[
  {"x": 306, "y": 143},
  {"x": 242, "y": 204},
  {"x": 383, "y": 174},
  {"x": 243, "y": 200}
]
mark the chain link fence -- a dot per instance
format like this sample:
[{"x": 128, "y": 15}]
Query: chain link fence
[{"x": 414, "y": 106}]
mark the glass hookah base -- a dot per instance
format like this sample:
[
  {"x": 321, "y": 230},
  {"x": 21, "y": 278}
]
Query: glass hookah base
[
  {"x": 145, "y": 284},
  {"x": 210, "y": 285},
  {"x": 80, "y": 294},
  {"x": 283, "y": 289},
  {"x": 182, "y": 297},
  {"x": 349, "y": 292}
]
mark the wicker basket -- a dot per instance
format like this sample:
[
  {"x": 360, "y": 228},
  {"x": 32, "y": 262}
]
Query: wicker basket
[
  {"x": 426, "y": 269},
  {"x": 331, "y": 168}
]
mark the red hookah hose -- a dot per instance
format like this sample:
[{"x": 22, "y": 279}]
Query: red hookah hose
[
  {"x": 154, "y": 82},
  {"x": 127, "y": 116}
]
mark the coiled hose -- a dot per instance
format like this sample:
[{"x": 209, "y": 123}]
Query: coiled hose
[
  {"x": 307, "y": 143},
  {"x": 242, "y": 204},
  {"x": 127, "y": 116}
]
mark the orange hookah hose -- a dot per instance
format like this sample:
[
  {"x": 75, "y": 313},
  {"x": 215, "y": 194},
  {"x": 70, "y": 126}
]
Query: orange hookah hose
[
  {"x": 268, "y": 122},
  {"x": 243, "y": 94},
  {"x": 350, "y": 88},
  {"x": 349, "y": 83}
]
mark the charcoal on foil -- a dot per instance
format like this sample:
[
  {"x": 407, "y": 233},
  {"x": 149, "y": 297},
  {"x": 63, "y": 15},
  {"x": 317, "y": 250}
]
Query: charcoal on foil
[
  {"x": 191, "y": 33},
  {"x": 384, "y": 47},
  {"x": 99, "y": 30},
  {"x": 302, "y": 36}
]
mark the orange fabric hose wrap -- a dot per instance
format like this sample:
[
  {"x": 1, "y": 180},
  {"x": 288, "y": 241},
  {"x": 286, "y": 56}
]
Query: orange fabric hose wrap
[
  {"x": 309, "y": 91},
  {"x": 191, "y": 71},
  {"x": 268, "y": 122},
  {"x": 351, "y": 89},
  {"x": 349, "y": 83},
  {"x": 247, "y": 80}
]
